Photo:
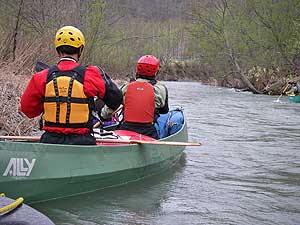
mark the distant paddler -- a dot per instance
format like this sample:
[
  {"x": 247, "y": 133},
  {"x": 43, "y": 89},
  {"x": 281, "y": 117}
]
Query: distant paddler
[
  {"x": 294, "y": 88},
  {"x": 294, "y": 91}
]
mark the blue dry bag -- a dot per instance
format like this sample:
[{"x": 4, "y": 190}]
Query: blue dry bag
[{"x": 169, "y": 123}]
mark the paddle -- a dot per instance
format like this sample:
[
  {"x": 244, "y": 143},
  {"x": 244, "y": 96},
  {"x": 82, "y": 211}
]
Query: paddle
[
  {"x": 39, "y": 66},
  {"x": 282, "y": 92},
  {"x": 170, "y": 143}
]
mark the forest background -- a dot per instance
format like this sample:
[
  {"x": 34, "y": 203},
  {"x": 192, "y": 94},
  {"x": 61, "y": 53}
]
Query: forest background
[{"x": 246, "y": 44}]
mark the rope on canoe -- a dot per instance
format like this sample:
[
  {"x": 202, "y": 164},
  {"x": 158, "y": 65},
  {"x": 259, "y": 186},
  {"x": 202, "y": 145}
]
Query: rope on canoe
[{"x": 12, "y": 205}]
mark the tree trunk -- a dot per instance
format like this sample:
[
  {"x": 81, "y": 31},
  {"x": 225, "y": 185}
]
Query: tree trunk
[
  {"x": 245, "y": 79},
  {"x": 16, "y": 30},
  {"x": 239, "y": 70}
]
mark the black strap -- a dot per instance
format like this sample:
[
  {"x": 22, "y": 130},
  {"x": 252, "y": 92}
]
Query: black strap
[
  {"x": 65, "y": 99},
  {"x": 56, "y": 97},
  {"x": 68, "y": 125},
  {"x": 69, "y": 97},
  {"x": 80, "y": 70}
]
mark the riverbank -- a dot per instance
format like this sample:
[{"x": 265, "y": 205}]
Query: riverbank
[
  {"x": 15, "y": 76},
  {"x": 13, "y": 82},
  {"x": 269, "y": 81}
]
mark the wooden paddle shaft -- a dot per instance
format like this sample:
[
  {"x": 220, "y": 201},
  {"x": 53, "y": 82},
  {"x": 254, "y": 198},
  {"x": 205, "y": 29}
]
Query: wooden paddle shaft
[
  {"x": 21, "y": 138},
  {"x": 171, "y": 143}
]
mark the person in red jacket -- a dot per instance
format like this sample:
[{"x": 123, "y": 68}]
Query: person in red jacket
[
  {"x": 144, "y": 99},
  {"x": 65, "y": 93}
]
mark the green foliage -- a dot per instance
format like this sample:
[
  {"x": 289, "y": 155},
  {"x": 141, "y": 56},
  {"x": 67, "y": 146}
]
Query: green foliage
[
  {"x": 255, "y": 32},
  {"x": 251, "y": 32},
  {"x": 95, "y": 30},
  {"x": 119, "y": 46}
]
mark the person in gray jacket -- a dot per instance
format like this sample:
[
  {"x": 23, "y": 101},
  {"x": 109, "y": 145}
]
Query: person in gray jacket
[{"x": 144, "y": 99}]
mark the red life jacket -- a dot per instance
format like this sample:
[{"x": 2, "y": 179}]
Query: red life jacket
[{"x": 139, "y": 103}]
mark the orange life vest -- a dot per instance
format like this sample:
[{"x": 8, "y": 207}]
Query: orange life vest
[
  {"x": 65, "y": 103},
  {"x": 139, "y": 103}
]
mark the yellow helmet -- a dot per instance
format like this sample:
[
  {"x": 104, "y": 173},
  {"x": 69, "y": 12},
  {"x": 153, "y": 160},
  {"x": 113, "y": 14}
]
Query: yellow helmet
[{"x": 70, "y": 36}]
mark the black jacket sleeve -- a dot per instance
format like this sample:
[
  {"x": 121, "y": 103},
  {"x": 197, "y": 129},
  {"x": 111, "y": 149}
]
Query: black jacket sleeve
[{"x": 113, "y": 97}]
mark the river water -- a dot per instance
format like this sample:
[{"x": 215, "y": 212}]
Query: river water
[{"x": 246, "y": 172}]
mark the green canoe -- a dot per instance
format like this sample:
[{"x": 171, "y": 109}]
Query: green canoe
[
  {"x": 294, "y": 98},
  {"x": 40, "y": 172}
]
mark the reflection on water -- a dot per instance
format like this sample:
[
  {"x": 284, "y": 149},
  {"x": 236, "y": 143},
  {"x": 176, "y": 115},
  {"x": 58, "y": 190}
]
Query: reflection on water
[
  {"x": 128, "y": 204},
  {"x": 246, "y": 172}
]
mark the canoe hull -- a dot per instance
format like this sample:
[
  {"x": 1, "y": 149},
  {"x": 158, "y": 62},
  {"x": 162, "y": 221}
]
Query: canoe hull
[
  {"x": 40, "y": 172},
  {"x": 294, "y": 98},
  {"x": 47, "y": 189}
]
